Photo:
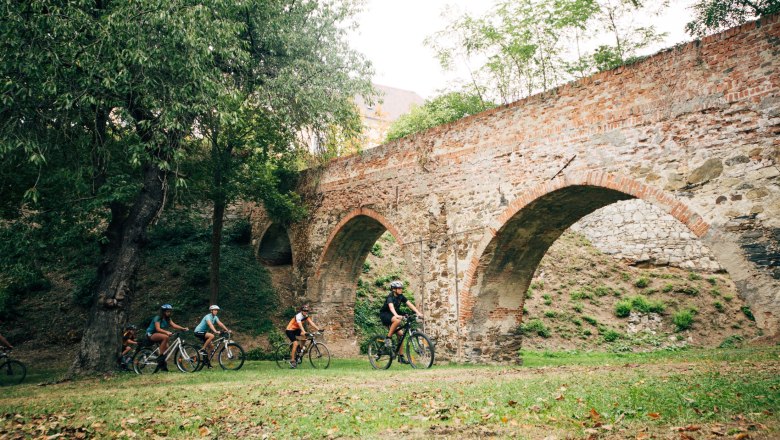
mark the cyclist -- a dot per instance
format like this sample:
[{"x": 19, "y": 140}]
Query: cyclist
[
  {"x": 390, "y": 317},
  {"x": 128, "y": 341},
  {"x": 295, "y": 329},
  {"x": 157, "y": 331},
  {"x": 202, "y": 331}
]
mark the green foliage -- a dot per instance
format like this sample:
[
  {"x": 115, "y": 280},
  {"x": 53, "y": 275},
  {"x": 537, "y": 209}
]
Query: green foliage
[
  {"x": 376, "y": 250},
  {"x": 728, "y": 298},
  {"x": 687, "y": 290},
  {"x": 733, "y": 341},
  {"x": 693, "y": 276},
  {"x": 641, "y": 304},
  {"x": 712, "y": 280},
  {"x": 719, "y": 306},
  {"x": 712, "y": 16},
  {"x": 551, "y": 314},
  {"x": 611, "y": 335},
  {"x": 748, "y": 313},
  {"x": 547, "y": 299},
  {"x": 580, "y": 295},
  {"x": 668, "y": 288},
  {"x": 366, "y": 267},
  {"x": 590, "y": 320},
  {"x": 642, "y": 282},
  {"x": 578, "y": 307},
  {"x": 683, "y": 319},
  {"x": 623, "y": 308},
  {"x": 605, "y": 290},
  {"x": 534, "y": 326},
  {"x": 437, "y": 111}
]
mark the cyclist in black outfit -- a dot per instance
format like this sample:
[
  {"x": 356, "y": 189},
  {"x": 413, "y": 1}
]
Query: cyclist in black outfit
[{"x": 390, "y": 317}]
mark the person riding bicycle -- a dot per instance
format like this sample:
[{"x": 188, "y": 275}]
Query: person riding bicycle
[
  {"x": 5, "y": 343},
  {"x": 128, "y": 341},
  {"x": 157, "y": 332},
  {"x": 295, "y": 329},
  {"x": 390, "y": 317},
  {"x": 202, "y": 332}
]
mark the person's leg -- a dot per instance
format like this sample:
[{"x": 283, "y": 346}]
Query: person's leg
[
  {"x": 394, "y": 325},
  {"x": 161, "y": 339},
  {"x": 207, "y": 342}
]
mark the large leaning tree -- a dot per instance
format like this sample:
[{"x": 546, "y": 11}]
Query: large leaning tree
[{"x": 102, "y": 99}]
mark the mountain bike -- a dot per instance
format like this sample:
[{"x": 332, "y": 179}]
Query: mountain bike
[
  {"x": 419, "y": 349},
  {"x": 186, "y": 357},
  {"x": 230, "y": 357},
  {"x": 319, "y": 355},
  {"x": 12, "y": 372}
]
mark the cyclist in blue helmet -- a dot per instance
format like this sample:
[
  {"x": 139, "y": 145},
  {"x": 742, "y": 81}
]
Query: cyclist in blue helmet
[{"x": 158, "y": 331}]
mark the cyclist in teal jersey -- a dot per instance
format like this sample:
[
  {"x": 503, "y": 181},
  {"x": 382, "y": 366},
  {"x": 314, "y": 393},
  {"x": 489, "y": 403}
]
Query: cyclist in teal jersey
[
  {"x": 157, "y": 331},
  {"x": 202, "y": 330}
]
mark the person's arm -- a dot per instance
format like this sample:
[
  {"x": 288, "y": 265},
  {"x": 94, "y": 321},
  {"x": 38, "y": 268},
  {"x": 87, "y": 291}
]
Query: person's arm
[
  {"x": 158, "y": 329},
  {"x": 312, "y": 323},
  {"x": 211, "y": 326},
  {"x": 392, "y": 309},
  {"x": 223, "y": 326},
  {"x": 176, "y": 327},
  {"x": 414, "y": 309},
  {"x": 5, "y": 342}
]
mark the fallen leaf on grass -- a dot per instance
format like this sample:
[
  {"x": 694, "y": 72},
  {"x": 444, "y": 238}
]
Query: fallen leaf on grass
[
  {"x": 512, "y": 403},
  {"x": 204, "y": 431},
  {"x": 741, "y": 436},
  {"x": 654, "y": 416},
  {"x": 594, "y": 415}
]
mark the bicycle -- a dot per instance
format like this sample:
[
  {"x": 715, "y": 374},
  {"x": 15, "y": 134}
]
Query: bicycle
[
  {"x": 230, "y": 357},
  {"x": 319, "y": 355},
  {"x": 419, "y": 350},
  {"x": 12, "y": 372},
  {"x": 187, "y": 358}
]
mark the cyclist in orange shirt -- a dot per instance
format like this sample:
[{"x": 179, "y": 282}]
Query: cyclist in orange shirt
[{"x": 295, "y": 329}]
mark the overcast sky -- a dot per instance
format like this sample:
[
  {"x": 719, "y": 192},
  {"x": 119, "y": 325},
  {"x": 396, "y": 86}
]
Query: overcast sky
[{"x": 391, "y": 35}]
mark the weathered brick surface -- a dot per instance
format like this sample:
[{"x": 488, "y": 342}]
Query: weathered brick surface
[{"x": 693, "y": 130}]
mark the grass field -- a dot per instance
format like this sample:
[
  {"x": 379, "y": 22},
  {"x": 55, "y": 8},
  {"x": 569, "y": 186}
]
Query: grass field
[{"x": 685, "y": 394}]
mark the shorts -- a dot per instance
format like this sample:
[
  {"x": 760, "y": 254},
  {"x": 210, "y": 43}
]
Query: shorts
[
  {"x": 387, "y": 318},
  {"x": 201, "y": 336},
  {"x": 292, "y": 335}
]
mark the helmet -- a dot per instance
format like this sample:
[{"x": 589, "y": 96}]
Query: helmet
[
  {"x": 166, "y": 307},
  {"x": 131, "y": 327},
  {"x": 397, "y": 285},
  {"x": 214, "y": 307},
  {"x": 305, "y": 308}
]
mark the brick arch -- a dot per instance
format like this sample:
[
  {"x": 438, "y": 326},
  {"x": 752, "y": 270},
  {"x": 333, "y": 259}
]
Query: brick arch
[
  {"x": 350, "y": 217},
  {"x": 275, "y": 247},
  {"x": 515, "y": 242},
  {"x": 340, "y": 266}
]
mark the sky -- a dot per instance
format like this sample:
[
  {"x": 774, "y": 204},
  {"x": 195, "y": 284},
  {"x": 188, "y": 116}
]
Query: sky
[{"x": 391, "y": 35}]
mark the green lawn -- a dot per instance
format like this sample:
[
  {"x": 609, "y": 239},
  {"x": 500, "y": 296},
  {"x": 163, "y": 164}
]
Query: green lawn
[{"x": 733, "y": 393}]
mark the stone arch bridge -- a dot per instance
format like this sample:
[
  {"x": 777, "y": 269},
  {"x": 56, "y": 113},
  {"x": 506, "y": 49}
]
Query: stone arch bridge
[{"x": 475, "y": 204}]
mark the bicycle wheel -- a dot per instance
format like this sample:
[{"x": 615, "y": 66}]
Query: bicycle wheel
[
  {"x": 187, "y": 358},
  {"x": 12, "y": 372},
  {"x": 282, "y": 355},
  {"x": 378, "y": 355},
  {"x": 419, "y": 351},
  {"x": 319, "y": 356},
  {"x": 231, "y": 357},
  {"x": 144, "y": 361}
]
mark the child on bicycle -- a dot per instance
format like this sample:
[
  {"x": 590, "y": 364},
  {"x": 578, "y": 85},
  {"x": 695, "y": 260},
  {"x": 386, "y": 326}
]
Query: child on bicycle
[
  {"x": 390, "y": 317},
  {"x": 201, "y": 331},
  {"x": 295, "y": 330},
  {"x": 128, "y": 341},
  {"x": 158, "y": 333}
]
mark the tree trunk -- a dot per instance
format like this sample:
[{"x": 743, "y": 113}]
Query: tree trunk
[
  {"x": 217, "y": 222},
  {"x": 126, "y": 233}
]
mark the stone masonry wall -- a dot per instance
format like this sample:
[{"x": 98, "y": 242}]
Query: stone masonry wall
[
  {"x": 640, "y": 233},
  {"x": 693, "y": 130}
]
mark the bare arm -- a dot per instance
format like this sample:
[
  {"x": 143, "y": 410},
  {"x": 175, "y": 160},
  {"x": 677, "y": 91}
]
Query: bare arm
[
  {"x": 177, "y": 326},
  {"x": 392, "y": 309},
  {"x": 411, "y": 306},
  {"x": 312, "y": 323}
]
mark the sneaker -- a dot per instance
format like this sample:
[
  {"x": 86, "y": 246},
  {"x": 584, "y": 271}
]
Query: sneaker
[
  {"x": 293, "y": 365},
  {"x": 402, "y": 359}
]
